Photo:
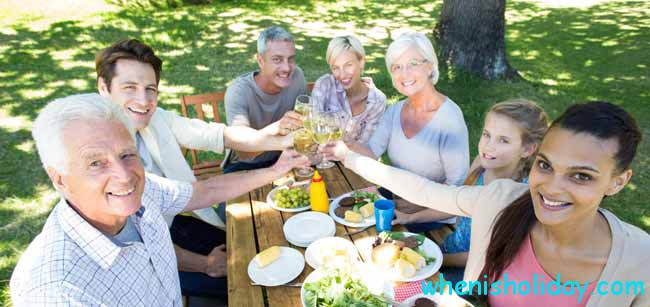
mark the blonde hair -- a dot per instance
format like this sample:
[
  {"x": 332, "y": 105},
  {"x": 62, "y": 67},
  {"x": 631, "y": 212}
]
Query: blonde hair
[
  {"x": 413, "y": 40},
  {"x": 342, "y": 44},
  {"x": 532, "y": 121}
]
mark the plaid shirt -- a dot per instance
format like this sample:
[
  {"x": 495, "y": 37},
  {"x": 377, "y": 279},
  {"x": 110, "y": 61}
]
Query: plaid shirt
[
  {"x": 71, "y": 263},
  {"x": 330, "y": 96}
]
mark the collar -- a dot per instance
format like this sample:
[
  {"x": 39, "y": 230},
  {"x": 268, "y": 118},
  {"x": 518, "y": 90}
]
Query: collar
[{"x": 93, "y": 242}]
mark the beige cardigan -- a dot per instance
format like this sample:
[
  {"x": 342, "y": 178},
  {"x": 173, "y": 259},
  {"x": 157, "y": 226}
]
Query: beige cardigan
[
  {"x": 163, "y": 137},
  {"x": 629, "y": 258}
]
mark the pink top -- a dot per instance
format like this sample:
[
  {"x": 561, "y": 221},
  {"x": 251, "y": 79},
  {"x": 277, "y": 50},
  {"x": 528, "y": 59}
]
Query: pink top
[{"x": 529, "y": 276}]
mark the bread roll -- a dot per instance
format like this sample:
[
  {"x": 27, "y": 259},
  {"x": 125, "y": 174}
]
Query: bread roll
[{"x": 385, "y": 255}]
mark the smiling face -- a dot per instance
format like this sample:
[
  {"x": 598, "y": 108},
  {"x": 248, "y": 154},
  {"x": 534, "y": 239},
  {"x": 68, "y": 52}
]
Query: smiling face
[
  {"x": 571, "y": 175},
  {"x": 278, "y": 63},
  {"x": 346, "y": 68},
  {"x": 411, "y": 72},
  {"x": 134, "y": 87},
  {"x": 501, "y": 145},
  {"x": 105, "y": 178}
]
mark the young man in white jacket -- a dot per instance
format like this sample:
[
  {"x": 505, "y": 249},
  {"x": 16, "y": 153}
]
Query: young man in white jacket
[{"x": 129, "y": 73}]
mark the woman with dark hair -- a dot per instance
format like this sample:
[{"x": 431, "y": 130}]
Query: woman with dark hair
[{"x": 552, "y": 229}]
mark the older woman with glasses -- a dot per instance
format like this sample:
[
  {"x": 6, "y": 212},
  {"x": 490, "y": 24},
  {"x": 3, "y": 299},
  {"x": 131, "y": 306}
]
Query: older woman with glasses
[
  {"x": 424, "y": 133},
  {"x": 345, "y": 90}
]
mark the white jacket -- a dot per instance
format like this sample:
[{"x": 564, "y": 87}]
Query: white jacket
[{"x": 165, "y": 135}]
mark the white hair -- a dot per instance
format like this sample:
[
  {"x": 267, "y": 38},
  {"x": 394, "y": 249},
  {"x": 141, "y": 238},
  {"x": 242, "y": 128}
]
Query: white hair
[
  {"x": 274, "y": 33},
  {"x": 342, "y": 44},
  {"x": 413, "y": 40},
  {"x": 51, "y": 121}
]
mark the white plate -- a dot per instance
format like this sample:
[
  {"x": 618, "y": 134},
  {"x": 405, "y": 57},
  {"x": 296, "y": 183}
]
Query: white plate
[
  {"x": 430, "y": 249},
  {"x": 308, "y": 227},
  {"x": 441, "y": 300},
  {"x": 283, "y": 270},
  {"x": 375, "y": 283},
  {"x": 314, "y": 253},
  {"x": 369, "y": 221},
  {"x": 271, "y": 202},
  {"x": 306, "y": 244}
]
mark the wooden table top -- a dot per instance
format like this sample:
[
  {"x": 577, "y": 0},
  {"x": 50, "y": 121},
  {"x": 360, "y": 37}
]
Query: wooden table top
[{"x": 252, "y": 226}]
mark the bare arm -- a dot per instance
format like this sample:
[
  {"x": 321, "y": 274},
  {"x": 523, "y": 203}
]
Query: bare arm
[
  {"x": 423, "y": 216},
  {"x": 213, "y": 264},
  {"x": 455, "y": 260},
  {"x": 249, "y": 143},
  {"x": 246, "y": 139},
  {"x": 222, "y": 188}
]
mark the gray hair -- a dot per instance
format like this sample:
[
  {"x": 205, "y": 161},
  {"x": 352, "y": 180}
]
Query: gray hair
[
  {"x": 341, "y": 44},
  {"x": 413, "y": 40},
  {"x": 274, "y": 33},
  {"x": 48, "y": 126}
]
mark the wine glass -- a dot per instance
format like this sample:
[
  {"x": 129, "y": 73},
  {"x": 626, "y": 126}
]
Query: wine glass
[
  {"x": 326, "y": 126},
  {"x": 303, "y": 106},
  {"x": 303, "y": 143}
]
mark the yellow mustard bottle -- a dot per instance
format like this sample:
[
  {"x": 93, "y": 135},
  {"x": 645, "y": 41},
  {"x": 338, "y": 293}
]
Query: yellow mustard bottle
[{"x": 318, "y": 195}]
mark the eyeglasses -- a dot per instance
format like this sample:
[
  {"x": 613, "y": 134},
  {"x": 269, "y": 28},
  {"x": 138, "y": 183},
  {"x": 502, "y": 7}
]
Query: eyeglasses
[{"x": 410, "y": 65}]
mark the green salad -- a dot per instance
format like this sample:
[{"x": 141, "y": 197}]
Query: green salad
[
  {"x": 363, "y": 199},
  {"x": 338, "y": 289}
]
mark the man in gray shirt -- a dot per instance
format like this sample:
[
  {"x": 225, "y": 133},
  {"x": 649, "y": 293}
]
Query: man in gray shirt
[{"x": 258, "y": 99}]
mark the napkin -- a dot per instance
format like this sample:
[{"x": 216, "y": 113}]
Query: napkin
[{"x": 406, "y": 290}]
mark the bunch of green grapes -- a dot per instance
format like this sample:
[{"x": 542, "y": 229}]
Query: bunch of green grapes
[{"x": 291, "y": 198}]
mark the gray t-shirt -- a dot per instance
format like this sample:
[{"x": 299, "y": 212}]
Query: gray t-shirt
[
  {"x": 128, "y": 234},
  {"x": 439, "y": 152},
  {"x": 248, "y": 105}
]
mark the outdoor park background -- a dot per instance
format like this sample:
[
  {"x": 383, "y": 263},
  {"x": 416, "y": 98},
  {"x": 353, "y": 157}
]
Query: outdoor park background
[{"x": 567, "y": 51}]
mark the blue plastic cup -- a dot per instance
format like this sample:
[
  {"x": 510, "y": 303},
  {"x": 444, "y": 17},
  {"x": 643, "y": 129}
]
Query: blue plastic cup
[{"x": 384, "y": 212}]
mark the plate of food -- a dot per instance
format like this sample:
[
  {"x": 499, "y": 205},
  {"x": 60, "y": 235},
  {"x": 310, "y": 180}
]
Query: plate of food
[
  {"x": 343, "y": 287},
  {"x": 404, "y": 256},
  {"x": 435, "y": 300},
  {"x": 294, "y": 198},
  {"x": 275, "y": 266},
  {"x": 330, "y": 250},
  {"x": 355, "y": 209}
]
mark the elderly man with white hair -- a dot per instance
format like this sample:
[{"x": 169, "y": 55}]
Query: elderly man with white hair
[
  {"x": 259, "y": 98},
  {"x": 106, "y": 242}
]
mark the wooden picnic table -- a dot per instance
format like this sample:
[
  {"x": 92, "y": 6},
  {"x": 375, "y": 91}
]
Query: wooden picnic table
[{"x": 252, "y": 226}]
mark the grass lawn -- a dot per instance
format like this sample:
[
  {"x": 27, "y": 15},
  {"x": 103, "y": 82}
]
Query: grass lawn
[{"x": 598, "y": 50}]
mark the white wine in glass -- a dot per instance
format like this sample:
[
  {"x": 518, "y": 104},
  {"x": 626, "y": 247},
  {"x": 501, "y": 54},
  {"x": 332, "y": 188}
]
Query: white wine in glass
[
  {"x": 303, "y": 143},
  {"x": 323, "y": 128},
  {"x": 303, "y": 105},
  {"x": 336, "y": 133}
]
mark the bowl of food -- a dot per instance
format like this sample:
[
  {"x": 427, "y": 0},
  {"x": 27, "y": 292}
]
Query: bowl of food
[
  {"x": 350, "y": 286},
  {"x": 435, "y": 300},
  {"x": 294, "y": 198},
  {"x": 331, "y": 250}
]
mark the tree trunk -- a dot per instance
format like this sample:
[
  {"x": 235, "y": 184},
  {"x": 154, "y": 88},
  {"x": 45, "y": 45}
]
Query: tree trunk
[{"x": 471, "y": 36}]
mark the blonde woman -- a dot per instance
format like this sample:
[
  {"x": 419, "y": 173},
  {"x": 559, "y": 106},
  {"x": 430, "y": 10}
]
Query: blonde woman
[{"x": 345, "y": 90}]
